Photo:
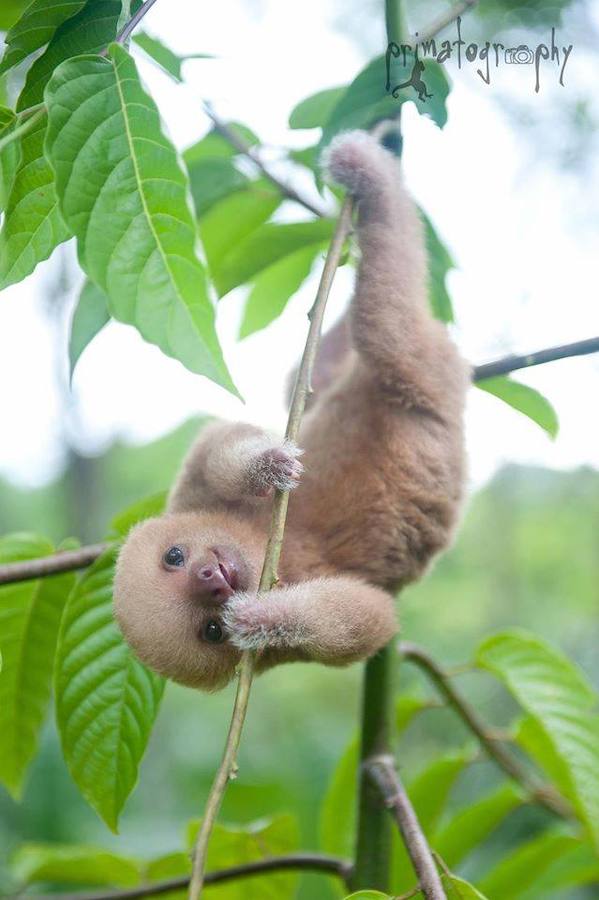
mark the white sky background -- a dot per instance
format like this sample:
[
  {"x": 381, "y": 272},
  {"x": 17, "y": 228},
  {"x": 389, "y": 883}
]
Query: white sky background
[{"x": 524, "y": 234}]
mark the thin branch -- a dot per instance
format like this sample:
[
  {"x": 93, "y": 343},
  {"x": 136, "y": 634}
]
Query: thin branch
[
  {"x": 383, "y": 773},
  {"x": 306, "y": 862},
  {"x": 511, "y": 363},
  {"x": 64, "y": 561},
  {"x": 540, "y": 793},
  {"x": 268, "y": 578},
  {"x": 124, "y": 35},
  {"x": 246, "y": 149},
  {"x": 25, "y": 126},
  {"x": 437, "y": 25}
]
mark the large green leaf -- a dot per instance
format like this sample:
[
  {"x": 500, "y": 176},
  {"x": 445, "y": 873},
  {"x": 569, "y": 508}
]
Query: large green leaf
[
  {"x": 525, "y": 865},
  {"x": 10, "y": 156},
  {"x": 33, "y": 226},
  {"x": 73, "y": 864},
  {"x": 231, "y": 220},
  {"x": 366, "y": 100},
  {"x": 273, "y": 287},
  {"x": 556, "y": 694},
  {"x": 314, "y": 111},
  {"x": 265, "y": 246},
  {"x": 125, "y": 195},
  {"x": 138, "y": 512},
  {"x": 243, "y": 844},
  {"x": 525, "y": 399},
  {"x": 458, "y": 889},
  {"x": 90, "y": 316},
  {"x": 215, "y": 145},
  {"x": 90, "y": 31},
  {"x": 106, "y": 701},
  {"x": 440, "y": 264},
  {"x": 30, "y": 614},
  {"x": 211, "y": 179},
  {"x": 574, "y": 867},
  {"x": 10, "y": 11},
  {"x": 471, "y": 825},
  {"x": 35, "y": 28}
]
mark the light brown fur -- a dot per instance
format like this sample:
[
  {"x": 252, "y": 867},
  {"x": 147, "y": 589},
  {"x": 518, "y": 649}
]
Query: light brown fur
[{"x": 378, "y": 498}]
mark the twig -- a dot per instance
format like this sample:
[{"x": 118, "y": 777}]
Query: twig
[
  {"x": 64, "y": 561},
  {"x": 78, "y": 559},
  {"x": 541, "y": 793},
  {"x": 511, "y": 363},
  {"x": 383, "y": 773},
  {"x": 124, "y": 35},
  {"x": 307, "y": 862},
  {"x": 247, "y": 150},
  {"x": 273, "y": 550},
  {"x": 442, "y": 21}
]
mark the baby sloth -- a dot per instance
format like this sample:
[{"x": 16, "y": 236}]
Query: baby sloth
[{"x": 375, "y": 496}]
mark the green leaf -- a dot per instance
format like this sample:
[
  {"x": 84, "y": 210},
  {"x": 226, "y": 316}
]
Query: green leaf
[
  {"x": 137, "y": 512},
  {"x": 532, "y": 737},
  {"x": 90, "y": 31},
  {"x": 35, "y": 28},
  {"x": 471, "y": 825},
  {"x": 368, "y": 895},
  {"x": 526, "y": 864},
  {"x": 556, "y": 694},
  {"x": 106, "y": 701},
  {"x": 574, "y": 867},
  {"x": 10, "y": 11},
  {"x": 243, "y": 844},
  {"x": 73, "y": 864},
  {"x": 171, "y": 865},
  {"x": 33, "y": 226},
  {"x": 164, "y": 56},
  {"x": 30, "y": 614},
  {"x": 314, "y": 111},
  {"x": 458, "y": 889},
  {"x": 90, "y": 316},
  {"x": 234, "y": 218},
  {"x": 366, "y": 101},
  {"x": 273, "y": 287},
  {"x": 265, "y": 246},
  {"x": 440, "y": 264},
  {"x": 525, "y": 399},
  {"x": 124, "y": 193},
  {"x": 10, "y": 156},
  {"x": 211, "y": 179},
  {"x": 408, "y": 707},
  {"x": 338, "y": 813}
]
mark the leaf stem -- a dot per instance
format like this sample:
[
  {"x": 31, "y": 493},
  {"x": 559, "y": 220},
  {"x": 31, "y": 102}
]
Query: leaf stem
[
  {"x": 23, "y": 128},
  {"x": 273, "y": 551},
  {"x": 540, "y": 793},
  {"x": 125, "y": 33}
]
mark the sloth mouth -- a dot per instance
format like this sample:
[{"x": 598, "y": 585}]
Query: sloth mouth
[{"x": 229, "y": 573}]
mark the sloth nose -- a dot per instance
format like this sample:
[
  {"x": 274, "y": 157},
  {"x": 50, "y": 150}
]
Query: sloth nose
[{"x": 208, "y": 579}]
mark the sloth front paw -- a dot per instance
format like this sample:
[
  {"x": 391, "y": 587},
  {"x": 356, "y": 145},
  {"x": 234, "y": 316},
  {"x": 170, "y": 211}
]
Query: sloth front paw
[
  {"x": 256, "y": 622},
  {"x": 276, "y": 467}
]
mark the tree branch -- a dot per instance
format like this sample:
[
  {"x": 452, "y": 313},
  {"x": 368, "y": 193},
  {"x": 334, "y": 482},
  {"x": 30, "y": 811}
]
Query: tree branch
[
  {"x": 382, "y": 771},
  {"x": 306, "y": 862},
  {"x": 273, "y": 550},
  {"x": 124, "y": 35},
  {"x": 247, "y": 150},
  {"x": 64, "y": 561},
  {"x": 511, "y": 363},
  {"x": 540, "y": 793}
]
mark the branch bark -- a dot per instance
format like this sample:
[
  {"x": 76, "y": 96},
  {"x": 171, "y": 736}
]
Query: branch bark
[
  {"x": 247, "y": 150},
  {"x": 437, "y": 25},
  {"x": 382, "y": 771},
  {"x": 124, "y": 35},
  {"x": 550, "y": 354},
  {"x": 273, "y": 551},
  {"x": 540, "y": 793},
  {"x": 306, "y": 862}
]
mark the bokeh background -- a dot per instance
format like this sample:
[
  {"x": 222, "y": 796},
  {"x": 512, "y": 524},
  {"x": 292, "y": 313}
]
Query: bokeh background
[{"x": 511, "y": 184}]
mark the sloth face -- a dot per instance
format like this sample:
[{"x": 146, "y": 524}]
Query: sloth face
[{"x": 173, "y": 578}]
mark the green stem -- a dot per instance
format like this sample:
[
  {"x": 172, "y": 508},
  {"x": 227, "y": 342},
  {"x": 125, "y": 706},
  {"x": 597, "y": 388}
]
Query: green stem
[
  {"x": 395, "y": 21},
  {"x": 374, "y": 829}
]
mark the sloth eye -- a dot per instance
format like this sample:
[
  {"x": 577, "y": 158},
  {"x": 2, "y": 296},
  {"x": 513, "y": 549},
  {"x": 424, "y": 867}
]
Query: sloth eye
[
  {"x": 213, "y": 632},
  {"x": 174, "y": 557}
]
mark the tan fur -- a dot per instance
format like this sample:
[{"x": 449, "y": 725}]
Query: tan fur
[{"x": 379, "y": 497}]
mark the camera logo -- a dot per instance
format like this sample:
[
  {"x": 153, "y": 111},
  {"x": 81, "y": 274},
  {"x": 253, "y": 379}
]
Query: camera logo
[{"x": 521, "y": 55}]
